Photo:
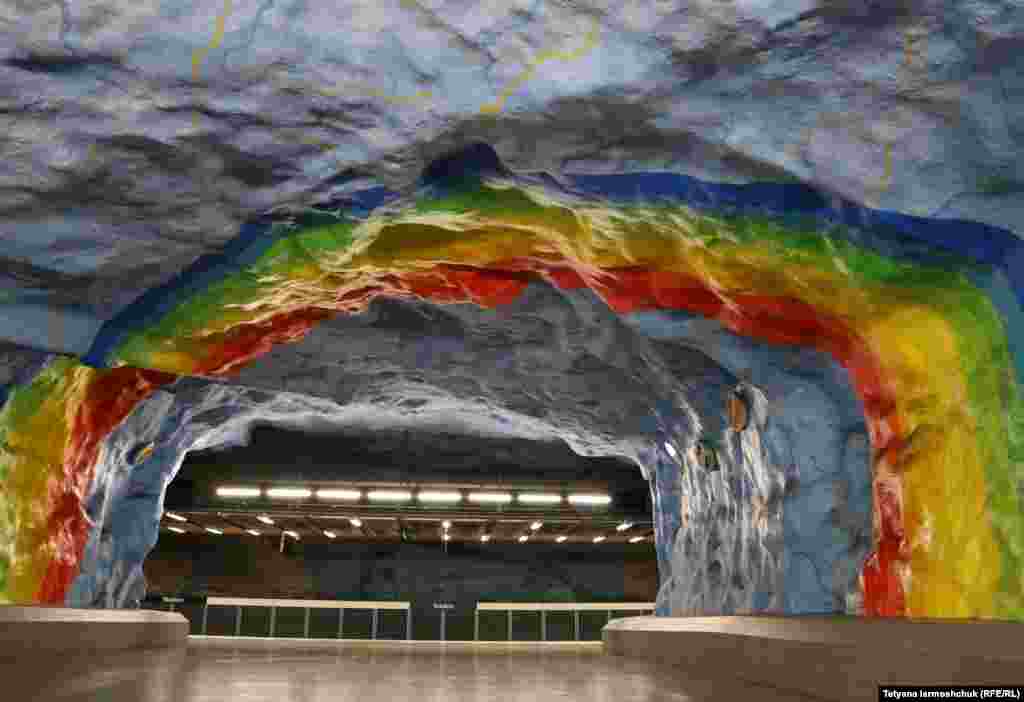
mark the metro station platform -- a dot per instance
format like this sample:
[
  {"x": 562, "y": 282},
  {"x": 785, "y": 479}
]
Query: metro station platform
[{"x": 144, "y": 656}]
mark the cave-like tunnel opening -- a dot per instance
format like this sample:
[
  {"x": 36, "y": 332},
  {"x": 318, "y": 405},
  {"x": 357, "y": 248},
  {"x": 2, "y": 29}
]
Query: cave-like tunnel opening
[
  {"x": 767, "y": 379},
  {"x": 753, "y": 272}
]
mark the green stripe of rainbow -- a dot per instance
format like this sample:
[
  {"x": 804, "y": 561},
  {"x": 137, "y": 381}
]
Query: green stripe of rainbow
[{"x": 926, "y": 349}]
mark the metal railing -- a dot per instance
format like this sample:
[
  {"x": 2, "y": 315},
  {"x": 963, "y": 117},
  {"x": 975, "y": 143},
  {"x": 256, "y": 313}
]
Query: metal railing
[
  {"x": 509, "y": 608},
  {"x": 545, "y": 607},
  {"x": 340, "y": 605}
]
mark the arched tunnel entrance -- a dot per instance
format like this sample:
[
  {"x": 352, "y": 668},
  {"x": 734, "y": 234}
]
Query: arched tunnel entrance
[{"x": 825, "y": 414}]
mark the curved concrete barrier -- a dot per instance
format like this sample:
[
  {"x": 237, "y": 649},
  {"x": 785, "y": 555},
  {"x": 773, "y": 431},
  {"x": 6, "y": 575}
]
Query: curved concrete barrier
[
  {"x": 25, "y": 631},
  {"x": 833, "y": 658}
]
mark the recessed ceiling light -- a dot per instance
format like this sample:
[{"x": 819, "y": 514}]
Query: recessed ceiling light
[
  {"x": 176, "y": 530},
  {"x": 439, "y": 496},
  {"x": 623, "y": 526},
  {"x": 293, "y": 534},
  {"x": 523, "y": 538},
  {"x": 598, "y": 539},
  {"x": 485, "y": 538},
  {"x": 175, "y": 517},
  {"x": 536, "y": 525},
  {"x": 635, "y": 539},
  {"x": 290, "y": 493},
  {"x": 355, "y": 522},
  {"x": 212, "y": 530},
  {"x": 671, "y": 450},
  {"x": 330, "y": 534},
  {"x": 491, "y": 497},
  {"x": 238, "y": 491},
  {"x": 536, "y": 498},
  {"x": 252, "y": 531},
  {"x": 589, "y": 499},
  {"x": 265, "y": 519},
  {"x": 337, "y": 494},
  {"x": 446, "y": 537},
  {"x": 446, "y": 524},
  {"x": 560, "y": 539},
  {"x": 389, "y": 495}
]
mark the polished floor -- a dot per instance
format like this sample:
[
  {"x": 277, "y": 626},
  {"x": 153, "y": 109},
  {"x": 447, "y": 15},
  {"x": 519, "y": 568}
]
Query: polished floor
[{"x": 222, "y": 671}]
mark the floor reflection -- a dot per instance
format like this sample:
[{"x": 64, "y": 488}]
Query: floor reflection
[{"x": 217, "y": 671}]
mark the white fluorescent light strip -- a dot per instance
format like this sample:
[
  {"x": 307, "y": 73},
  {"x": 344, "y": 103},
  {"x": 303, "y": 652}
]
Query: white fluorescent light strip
[
  {"x": 175, "y": 517},
  {"x": 289, "y": 492},
  {"x": 265, "y": 519},
  {"x": 624, "y": 526},
  {"x": 536, "y": 525},
  {"x": 176, "y": 530},
  {"x": 536, "y": 498},
  {"x": 589, "y": 499},
  {"x": 334, "y": 494},
  {"x": 252, "y": 531},
  {"x": 439, "y": 496},
  {"x": 491, "y": 497},
  {"x": 293, "y": 534},
  {"x": 389, "y": 495},
  {"x": 356, "y": 522},
  {"x": 635, "y": 539},
  {"x": 213, "y": 531},
  {"x": 671, "y": 450},
  {"x": 560, "y": 539},
  {"x": 598, "y": 539},
  {"x": 235, "y": 491},
  {"x": 523, "y": 539},
  {"x": 330, "y": 534}
]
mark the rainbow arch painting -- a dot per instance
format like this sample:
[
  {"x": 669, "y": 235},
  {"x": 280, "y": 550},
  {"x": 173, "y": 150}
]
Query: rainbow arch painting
[{"x": 900, "y": 302}]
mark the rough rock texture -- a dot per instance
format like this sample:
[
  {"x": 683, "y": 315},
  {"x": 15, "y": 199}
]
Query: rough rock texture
[
  {"x": 136, "y": 136},
  {"x": 785, "y": 524},
  {"x": 882, "y": 353}
]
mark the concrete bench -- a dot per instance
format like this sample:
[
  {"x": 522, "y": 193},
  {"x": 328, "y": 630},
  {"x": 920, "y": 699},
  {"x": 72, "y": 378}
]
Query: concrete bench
[
  {"x": 47, "y": 630},
  {"x": 828, "y": 657}
]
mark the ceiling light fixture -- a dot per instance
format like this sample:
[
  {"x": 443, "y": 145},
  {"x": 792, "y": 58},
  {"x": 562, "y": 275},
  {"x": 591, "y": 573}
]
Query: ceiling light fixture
[
  {"x": 537, "y": 498},
  {"x": 175, "y": 517},
  {"x": 446, "y": 524},
  {"x": 438, "y": 496},
  {"x": 536, "y": 525},
  {"x": 671, "y": 450},
  {"x": 238, "y": 491},
  {"x": 485, "y": 538},
  {"x": 355, "y": 522},
  {"x": 560, "y": 539},
  {"x": 389, "y": 495},
  {"x": 211, "y": 530},
  {"x": 252, "y": 531},
  {"x": 623, "y": 526},
  {"x": 265, "y": 519},
  {"x": 490, "y": 497},
  {"x": 523, "y": 539},
  {"x": 289, "y": 493},
  {"x": 330, "y": 534},
  {"x": 635, "y": 539},
  {"x": 336, "y": 494},
  {"x": 598, "y": 539},
  {"x": 446, "y": 537},
  {"x": 293, "y": 534},
  {"x": 176, "y": 530},
  {"x": 590, "y": 499}
]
